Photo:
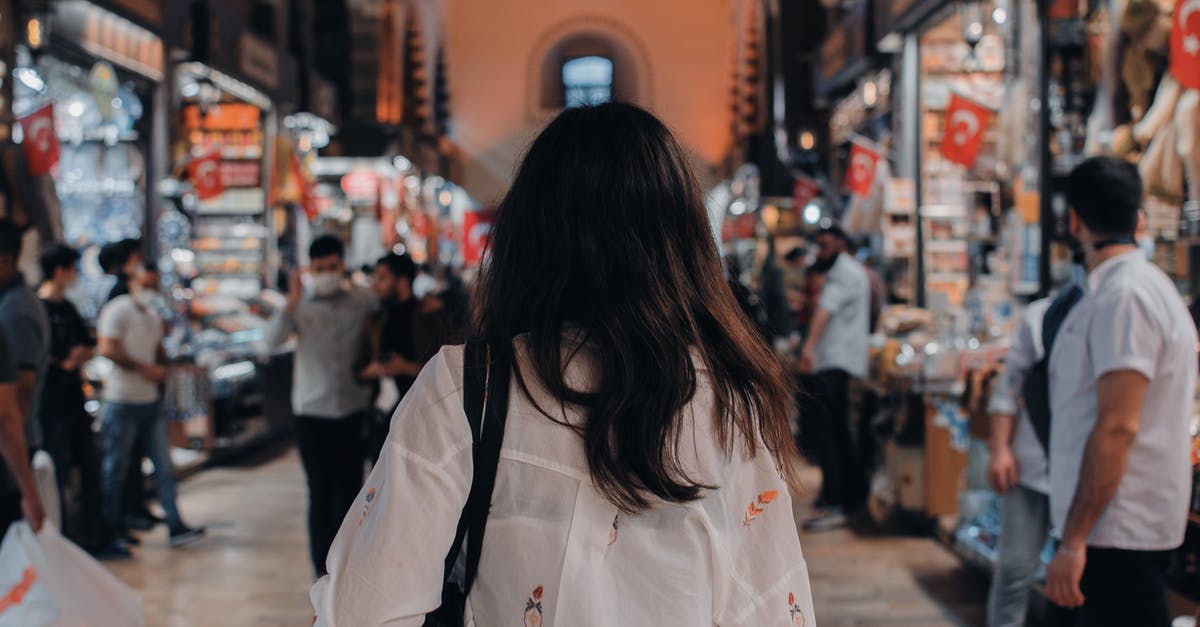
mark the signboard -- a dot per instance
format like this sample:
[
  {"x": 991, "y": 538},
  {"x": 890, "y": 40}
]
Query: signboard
[
  {"x": 360, "y": 183},
  {"x": 259, "y": 61}
]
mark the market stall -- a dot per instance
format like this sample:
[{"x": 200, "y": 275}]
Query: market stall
[{"x": 95, "y": 97}]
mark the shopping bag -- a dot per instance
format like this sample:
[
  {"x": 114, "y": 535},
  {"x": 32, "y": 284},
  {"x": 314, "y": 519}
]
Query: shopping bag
[
  {"x": 46, "y": 477},
  {"x": 25, "y": 598},
  {"x": 87, "y": 595}
]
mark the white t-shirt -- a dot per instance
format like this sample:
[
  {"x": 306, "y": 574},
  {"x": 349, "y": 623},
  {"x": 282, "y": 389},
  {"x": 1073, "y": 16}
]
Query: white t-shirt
[
  {"x": 1132, "y": 318},
  {"x": 1025, "y": 351},
  {"x": 556, "y": 552},
  {"x": 140, "y": 332},
  {"x": 847, "y": 297}
]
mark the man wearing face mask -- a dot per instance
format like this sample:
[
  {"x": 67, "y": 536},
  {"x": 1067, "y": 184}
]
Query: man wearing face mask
[
  {"x": 131, "y": 333},
  {"x": 329, "y": 402},
  {"x": 1122, "y": 378}
]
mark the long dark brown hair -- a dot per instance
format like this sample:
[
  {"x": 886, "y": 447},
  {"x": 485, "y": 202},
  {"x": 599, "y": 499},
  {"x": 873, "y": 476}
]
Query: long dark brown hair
[{"x": 605, "y": 230}]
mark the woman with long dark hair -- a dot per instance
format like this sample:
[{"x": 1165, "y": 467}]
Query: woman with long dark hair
[{"x": 647, "y": 457}]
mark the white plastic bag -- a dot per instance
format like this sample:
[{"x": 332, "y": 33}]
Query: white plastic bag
[
  {"x": 25, "y": 598},
  {"x": 69, "y": 588},
  {"x": 87, "y": 594},
  {"x": 46, "y": 477}
]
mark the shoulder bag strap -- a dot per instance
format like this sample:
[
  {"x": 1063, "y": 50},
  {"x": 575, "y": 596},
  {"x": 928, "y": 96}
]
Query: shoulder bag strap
[{"x": 485, "y": 402}]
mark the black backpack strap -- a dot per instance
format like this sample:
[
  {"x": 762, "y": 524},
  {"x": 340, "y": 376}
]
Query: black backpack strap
[
  {"x": 485, "y": 402},
  {"x": 1036, "y": 388}
]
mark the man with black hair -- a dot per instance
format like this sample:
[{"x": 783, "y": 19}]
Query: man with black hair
[
  {"x": 836, "y": 351},
  {"x": 130, "y": 333},
  {"x": 1122, "y": 380},
  {"x": 24, "y": 323},
  {"x": 66, "y": 426},
  {"x": 398, "y": 339},
  {"x": 122, "y": 259},
  {"x": 329, "y": 401}
]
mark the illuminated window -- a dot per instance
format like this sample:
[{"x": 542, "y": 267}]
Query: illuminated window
[{"x": 587, "y": 81}]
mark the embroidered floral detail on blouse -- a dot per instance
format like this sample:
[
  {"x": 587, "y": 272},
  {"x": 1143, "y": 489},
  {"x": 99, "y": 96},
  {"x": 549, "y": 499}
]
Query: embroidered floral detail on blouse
[
  {"x": 758, "y": 506},
  {"x": 533, "y": 609},
  {"x": 612, "y": 535},
  {"x": 795, "y": 611},
  {"x": 367, "y": 505}
]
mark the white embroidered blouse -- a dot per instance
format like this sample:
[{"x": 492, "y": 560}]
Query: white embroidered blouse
[{"x": 555, "y": 551}]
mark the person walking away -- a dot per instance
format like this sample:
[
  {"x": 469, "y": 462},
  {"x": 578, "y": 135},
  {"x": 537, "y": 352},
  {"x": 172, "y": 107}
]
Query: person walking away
[
  {"x": 66, "y": 426},
  {"x": 1122, "y": 380},
  {"x": 647, "y": 457},
  {"x": 329, "y": 402},
  {"x": 25, "y": 502},
  {"x": 1019, "y": 470},
  {"x": 131, "y": 333},
  {"x": 398, "y": 339},
  {"x": 836, "y": 350},
  {"x": 23, "y": 321}
]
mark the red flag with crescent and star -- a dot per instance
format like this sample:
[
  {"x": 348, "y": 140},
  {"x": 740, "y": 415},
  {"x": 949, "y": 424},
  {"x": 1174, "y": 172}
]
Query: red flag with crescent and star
[
  {"x": 805, "y": 191},
  {"x": 41, "y": 140},
  {"x": 477, "y": 225},
  {"x": 966, "y": 120},
  {"x": 205, "y": 173},
  {"x": 1185, "y": 43},
  {"x": 860, "y": 173}
]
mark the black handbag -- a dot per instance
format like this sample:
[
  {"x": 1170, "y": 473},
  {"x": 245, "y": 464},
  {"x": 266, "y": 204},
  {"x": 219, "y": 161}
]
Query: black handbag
[{"x": 485, "y": 401}]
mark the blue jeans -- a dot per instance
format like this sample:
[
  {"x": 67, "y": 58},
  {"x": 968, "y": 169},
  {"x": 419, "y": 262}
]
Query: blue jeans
[
  {"x": 124, "y": 425},
  {"x": 1024, "y": 524}
]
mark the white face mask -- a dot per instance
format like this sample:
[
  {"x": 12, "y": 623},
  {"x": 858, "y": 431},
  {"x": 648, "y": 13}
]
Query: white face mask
[
  {"x": 1146, "y": 245},
  {"x": 326, "y": 283},
  {"x": 143, "y": 297}
]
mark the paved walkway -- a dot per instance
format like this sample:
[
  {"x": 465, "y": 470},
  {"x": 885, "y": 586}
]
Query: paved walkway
[{"x": 253, "y": 569}]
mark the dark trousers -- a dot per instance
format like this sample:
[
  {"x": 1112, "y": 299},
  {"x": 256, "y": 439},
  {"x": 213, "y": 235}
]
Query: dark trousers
[
  {"x": 828, "y": 401},
  {"x": 76, "y": 456},
  {"x": 378, "y": 427},
  {"x": 333, "y": 451},
  {"x": 1124, "y": 588}
]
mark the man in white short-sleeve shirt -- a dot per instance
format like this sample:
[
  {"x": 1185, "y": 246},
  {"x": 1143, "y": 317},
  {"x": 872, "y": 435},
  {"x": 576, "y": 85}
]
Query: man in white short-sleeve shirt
[
  {"x": 131, "y": 334},
  {"x": 1122, "y": 380},
  {"x": 836, "y": 352}
]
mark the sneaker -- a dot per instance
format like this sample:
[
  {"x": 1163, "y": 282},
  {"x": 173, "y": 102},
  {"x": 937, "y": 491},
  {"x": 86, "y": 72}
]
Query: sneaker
[
  {"x": 834, "y": 518},
  {"x": 183, "y": 535},
  {"x": 112, "y": 552}
]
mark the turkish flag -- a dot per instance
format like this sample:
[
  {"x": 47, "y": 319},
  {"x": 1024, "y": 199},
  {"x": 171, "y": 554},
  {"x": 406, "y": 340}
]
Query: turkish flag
[
  {"x": 966, "y": 120},
  {"x": 41, "y": 140},
  {"x": 804, "y": 192},
  {"x": 1185, "y": 43},
  {"x": 477, "y": 225},
  {"x": 860, "y": 173},
  {"x": 205, "y": 173}
]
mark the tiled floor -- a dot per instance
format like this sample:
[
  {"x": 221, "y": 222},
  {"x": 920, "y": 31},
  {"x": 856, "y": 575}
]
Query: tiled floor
[{"x": 253, "y": 569}]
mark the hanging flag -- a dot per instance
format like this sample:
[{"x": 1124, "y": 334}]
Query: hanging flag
[
  {"x": 966, "y": 120},
  {"x": 1185, "y": 43},
  {"x": 805, "y": 191},
  {"x": 860, "y": 173},
  {"x": 41, "y": 140},
  {"x": 205, "y": 173},
  {"x": 477, "y": 225}
]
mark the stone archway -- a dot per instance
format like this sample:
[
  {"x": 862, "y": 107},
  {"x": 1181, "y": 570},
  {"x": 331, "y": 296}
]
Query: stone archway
[{"x": 587, "y": 36}]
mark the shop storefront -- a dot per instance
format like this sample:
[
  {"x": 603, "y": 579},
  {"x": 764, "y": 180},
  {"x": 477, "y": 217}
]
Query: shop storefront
[
  {"x": 979, "y": 173},
  {"x": 100, "y": 94}
]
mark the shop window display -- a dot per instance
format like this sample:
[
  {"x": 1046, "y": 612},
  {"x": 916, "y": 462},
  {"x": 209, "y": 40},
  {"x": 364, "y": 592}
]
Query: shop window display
[{"x": 100, "y": 180}]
